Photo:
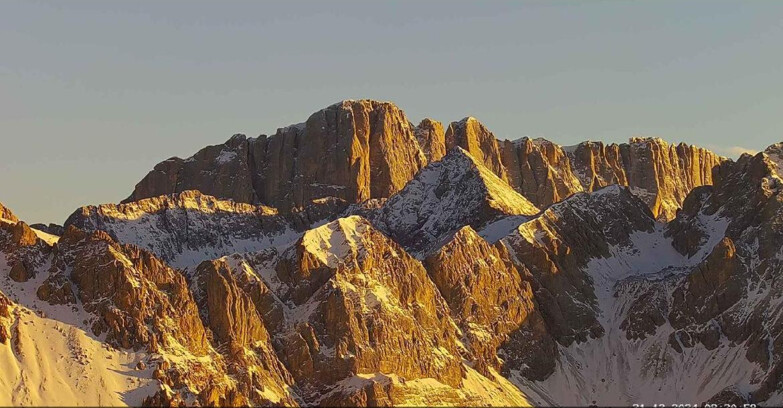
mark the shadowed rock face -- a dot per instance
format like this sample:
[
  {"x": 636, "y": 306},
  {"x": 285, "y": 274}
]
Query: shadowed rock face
[
  {"x": 730, "y": 296},
  {"x": 353, "y": 150},
  {"x": 432, "y": 139},
  {"x": 556, "y": 246}
]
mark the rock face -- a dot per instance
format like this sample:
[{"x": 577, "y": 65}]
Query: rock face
[
  {"x": 397, "y": 272},
  {"x": 732, "y": 293},
  {"x": 360, "y": 150},
  {"x": 134, "y": 301},
  {"x": 52, "y": 229},
  {"x": 444, "y": 197},
  {"x": 353, "y": 150},
  {"x": 492, "y": 301},
  {"x": 24, "y": 251},
  {"x": 540, "y": 170},
  {"x": 228, "y": 308},
  {"x": 190, "y": 227},
  {"x": 6, "y": 214},
  {"x": 659, "y": 173},
  {"x": 479, "y": 142},
  {"x": 341, "y": 274},
  {"x": 556, "y": 246},
  {"x": 120, "y": 285},
  {"x": 432, "y": 139},
  {"x": 681, "y": 299}
]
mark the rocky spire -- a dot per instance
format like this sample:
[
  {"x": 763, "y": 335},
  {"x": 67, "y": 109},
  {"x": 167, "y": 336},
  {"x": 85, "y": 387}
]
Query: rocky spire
[{"x": 6, "y": 214}]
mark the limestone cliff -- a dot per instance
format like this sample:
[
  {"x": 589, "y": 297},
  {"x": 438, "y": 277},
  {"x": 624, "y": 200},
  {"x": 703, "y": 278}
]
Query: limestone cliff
[
  {"x": 360, "y": 150},
  {"x": 659, "y": 173},
  {"x": 353, "y": 150}
]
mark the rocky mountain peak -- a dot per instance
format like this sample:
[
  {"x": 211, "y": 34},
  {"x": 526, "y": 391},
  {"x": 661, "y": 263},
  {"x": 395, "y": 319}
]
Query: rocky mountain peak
[
  {"x": 6, "y": 214},
  {"x": 491, "y": 300},
  {"x": 478, "y": 141},
  {"x": 354, "y": 150},
  {"x": 775, "y": 154},
  {"x": 443, "y": 197},
  {"x": 432, "y": 139},
  {"x": 357, "y": 150}
]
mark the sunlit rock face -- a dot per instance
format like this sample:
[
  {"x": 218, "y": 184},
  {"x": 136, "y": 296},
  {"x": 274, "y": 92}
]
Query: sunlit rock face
[
  {"x": 492, "y": 301},
  {"x": 479, "y": 142},
  {"x": 659, "y": 173},
  {"x": 365, "y": 149},
  {"x": 187, "y": 228},
  {"x": 7, "y": 215},
  {"x": 352, "y": 150}
]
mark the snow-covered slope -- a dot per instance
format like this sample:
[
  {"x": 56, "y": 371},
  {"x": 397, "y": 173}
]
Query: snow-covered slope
[
  {"x": 51, "y": 359},
  {"x": 688, "y": 312},
  {"x": 187, "y": 228},
  {"x": 446, "y": 196},
  {"x": 614, "y": 370}
]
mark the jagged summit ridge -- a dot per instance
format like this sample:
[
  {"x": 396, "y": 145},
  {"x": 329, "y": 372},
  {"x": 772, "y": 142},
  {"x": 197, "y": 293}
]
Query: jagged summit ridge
[
  {"x": 353, "y": 150},
  {"x": 659, "y": 173},
  {"x": 190, "y": 227},
  {"x": 362, "y": 149},
  {"x": 445, "y": 196}
]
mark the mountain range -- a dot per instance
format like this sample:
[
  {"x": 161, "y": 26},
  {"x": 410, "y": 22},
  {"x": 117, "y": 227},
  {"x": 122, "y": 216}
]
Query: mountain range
[{"x": 358, "y": 259}]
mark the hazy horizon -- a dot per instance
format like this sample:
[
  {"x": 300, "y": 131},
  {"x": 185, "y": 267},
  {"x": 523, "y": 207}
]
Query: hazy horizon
[{"x": 94, "y": 94}]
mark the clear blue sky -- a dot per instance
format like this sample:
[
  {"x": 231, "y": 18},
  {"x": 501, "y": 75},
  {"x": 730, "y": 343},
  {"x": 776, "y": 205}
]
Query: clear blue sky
[{"x": 93, "y": 94}]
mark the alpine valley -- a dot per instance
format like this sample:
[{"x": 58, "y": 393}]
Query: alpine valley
[{"x": 358, "y": 259}]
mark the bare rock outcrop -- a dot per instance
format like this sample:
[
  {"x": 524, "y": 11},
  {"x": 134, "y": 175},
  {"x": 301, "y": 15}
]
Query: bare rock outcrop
[
  {"x": 729, "y": 297},
  {"x": 6, "y": 214},
  {"x": 492, "y": 301},
  {"x": 353, "y": 150},
  {"x": 363, "y": 303},
  {"x": 24, "y": 252},
  {"x": 140, "y": 301},
  {"x": 432, "y": 139},
  {"x": 479, "y": 142},
  {"x": 540, "y": 170},
  {"x": 228, "y": 308},
  {"x": 661, "y": 174},
  {"x": 5, "y": 313},
  {"x": 362, "y": 321},
  {"x": 365, "y": 149}
]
